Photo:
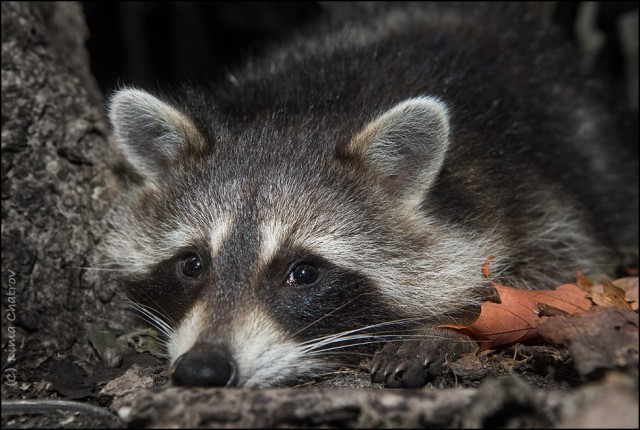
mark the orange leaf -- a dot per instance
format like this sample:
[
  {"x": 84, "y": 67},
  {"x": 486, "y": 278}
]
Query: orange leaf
[
  {"x": 516, "y": 318},
  {"x": 583, "y": 282},
  {"x": 485, "y": 267}
]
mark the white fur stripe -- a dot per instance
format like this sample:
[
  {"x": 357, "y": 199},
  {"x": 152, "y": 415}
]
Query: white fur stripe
[
  {"x": 219, "y": 233},
  {"x": 143, "y": 252},
  {"x": 264, "y": 354},
  {"x": 188, "y": 332},
  {"x": 272, "y": 233}
]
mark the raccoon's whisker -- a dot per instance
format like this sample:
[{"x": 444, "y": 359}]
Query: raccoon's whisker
[
  {"x": 164, "y": 344},
  {"x": 102, "y": 269},
  {"x": 354, "y": 353},
  {"x": 151, "y": 317},
  {"x": 346, "y": 335},
  {"x": 148, "y": 310},
  {"x": 349, "y": 336},
  {"x": 353, "y": 342},
  {"x": 332, "y": 337},
  {"x": 382, "y": 339},
  {"x": 160, "y": 339},
  {"x": 328, "y": 314},
  {"x": 360, "y": 329},
  {"x": 342, "y": 340},
  {"x": 159, "y": 310},
  {"x": 322, "y": 351},
  {"x": 157, "y": 322},
  {"x": 154, "y": 322}
]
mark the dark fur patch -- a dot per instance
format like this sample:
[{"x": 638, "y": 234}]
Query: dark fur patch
[
  {"x": 338, "y": 301},
  {"x": 167, "y": 290}
]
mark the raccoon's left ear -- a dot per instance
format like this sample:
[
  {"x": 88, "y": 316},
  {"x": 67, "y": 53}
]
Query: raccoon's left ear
[
  {"x": 150, "y": 132},
  {"x": 404, "y": 148}
]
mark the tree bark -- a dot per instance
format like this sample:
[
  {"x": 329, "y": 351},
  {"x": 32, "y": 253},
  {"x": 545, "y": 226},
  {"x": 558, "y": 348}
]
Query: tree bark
[{"x": 55, "y": 185}]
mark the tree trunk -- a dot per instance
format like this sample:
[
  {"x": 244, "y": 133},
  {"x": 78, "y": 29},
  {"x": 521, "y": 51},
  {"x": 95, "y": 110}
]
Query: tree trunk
[{"x": 55, "y": 189}]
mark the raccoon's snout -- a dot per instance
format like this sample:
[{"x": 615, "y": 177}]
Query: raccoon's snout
[{"x": 204, "y": 366}]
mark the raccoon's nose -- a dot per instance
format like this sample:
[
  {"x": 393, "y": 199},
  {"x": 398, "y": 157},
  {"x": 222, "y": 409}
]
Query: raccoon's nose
[{"x": 204, "y": 366}]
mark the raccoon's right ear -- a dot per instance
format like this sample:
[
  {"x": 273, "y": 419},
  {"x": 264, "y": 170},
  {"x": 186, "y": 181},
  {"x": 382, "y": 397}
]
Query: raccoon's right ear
[
  {"x": 149, "y": 131},
  {"x": 404, "y": 148}
]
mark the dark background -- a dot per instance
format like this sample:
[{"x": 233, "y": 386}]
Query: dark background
[
  {"x": 155, "y": 43},
  {"x": 151, "y": 43}
]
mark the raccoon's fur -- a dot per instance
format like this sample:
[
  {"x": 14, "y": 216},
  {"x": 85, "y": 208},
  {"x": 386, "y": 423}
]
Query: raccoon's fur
[{"x": 347, "y": 189}]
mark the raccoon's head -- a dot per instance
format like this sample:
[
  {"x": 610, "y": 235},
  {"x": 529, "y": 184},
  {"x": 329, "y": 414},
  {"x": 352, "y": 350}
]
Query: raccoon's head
[{"x": 268, "y": 252}]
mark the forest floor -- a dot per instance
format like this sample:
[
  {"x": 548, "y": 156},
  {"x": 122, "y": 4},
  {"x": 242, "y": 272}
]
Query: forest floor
[{"x": 583, "y": 380}]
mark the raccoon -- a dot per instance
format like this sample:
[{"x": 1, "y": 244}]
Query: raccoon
[{"x": 339, "y": 195}]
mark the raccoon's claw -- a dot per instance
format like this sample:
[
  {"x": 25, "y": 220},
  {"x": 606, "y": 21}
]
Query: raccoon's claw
[
  {"x": 393, "y": 369},
  {"x": 403, "y": 373},
  {"x": 413, "y": 363}
]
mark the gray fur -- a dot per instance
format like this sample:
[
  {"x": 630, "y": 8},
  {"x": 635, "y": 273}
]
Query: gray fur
[{"x": 397, "y": 151}]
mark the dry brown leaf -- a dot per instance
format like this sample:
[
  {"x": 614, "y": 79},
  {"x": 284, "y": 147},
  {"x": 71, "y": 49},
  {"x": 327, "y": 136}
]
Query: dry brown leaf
[
  {"x": 627, "y": 284},
  {"x": 516, "y": 318},
  {"x": 630, "y": 287},
  {"x": 611, "y": 295},
  {"x": 632, "y": 298},
  {"x": 622, "y": 292},
  {"x": 602, "y": 338}
]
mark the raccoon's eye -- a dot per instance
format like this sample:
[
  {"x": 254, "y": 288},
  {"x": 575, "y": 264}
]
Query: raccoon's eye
[
  {"x": 303, "y": 274},
  {"x": 192, "y": 267}
]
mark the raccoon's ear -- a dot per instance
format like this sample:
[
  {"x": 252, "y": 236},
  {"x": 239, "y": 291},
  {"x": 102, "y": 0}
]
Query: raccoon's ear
[
  {"x": 149, "y": 131},
  {"x": 405, "y": 147}
]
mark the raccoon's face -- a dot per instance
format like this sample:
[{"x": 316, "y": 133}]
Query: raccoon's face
[{"x": 269, "y": 256}]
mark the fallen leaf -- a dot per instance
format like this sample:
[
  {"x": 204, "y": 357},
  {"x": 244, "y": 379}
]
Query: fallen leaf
[
  {"x": 630, "y": 287},
  {"x": 516, "y": 318},
  {"x": 583, "y": 282},
  {"x": 611, "y": 295},
  {"x": 602, "y": 338},
  {"x": 631, "y": 297},
  {"x": 517, "y": 314},
  {"x": 485, "y": 267},
  {"x": 627, "y": 284}
]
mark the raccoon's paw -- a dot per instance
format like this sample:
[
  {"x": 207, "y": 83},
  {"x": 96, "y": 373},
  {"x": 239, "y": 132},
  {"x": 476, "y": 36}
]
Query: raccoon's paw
[{"x": 412, "y": 363}]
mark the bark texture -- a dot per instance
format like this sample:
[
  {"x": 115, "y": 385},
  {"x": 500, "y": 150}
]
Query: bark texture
[{"x": 54, "y": 185}]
